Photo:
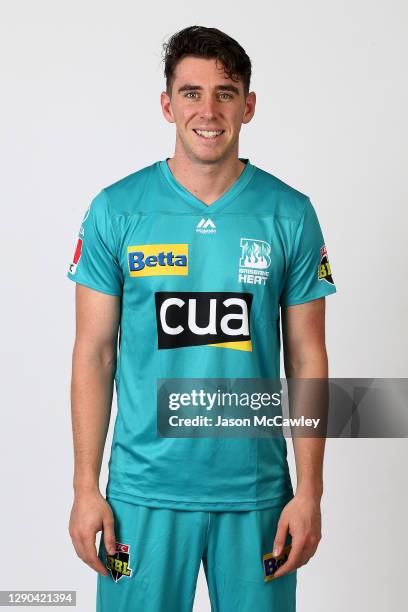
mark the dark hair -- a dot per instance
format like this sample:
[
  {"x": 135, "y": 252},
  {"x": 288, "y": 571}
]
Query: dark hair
[{"x": 210, "y": 43}]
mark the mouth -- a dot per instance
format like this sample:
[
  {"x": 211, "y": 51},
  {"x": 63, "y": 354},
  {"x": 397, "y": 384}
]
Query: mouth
[{"x": 209, "y": 134}]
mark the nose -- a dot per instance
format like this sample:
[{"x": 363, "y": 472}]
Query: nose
[{"x": 208, "y": 107}]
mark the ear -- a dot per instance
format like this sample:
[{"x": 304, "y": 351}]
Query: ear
[
  {"x": 250, "y": 104},
  {"x": 166, "y": 107}
]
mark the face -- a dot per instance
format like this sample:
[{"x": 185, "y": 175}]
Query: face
[{"x": 208, "y": 109}]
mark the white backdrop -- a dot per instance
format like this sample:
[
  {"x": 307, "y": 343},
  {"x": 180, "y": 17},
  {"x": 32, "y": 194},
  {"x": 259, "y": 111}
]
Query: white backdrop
[{"x": 80, "y": 109}]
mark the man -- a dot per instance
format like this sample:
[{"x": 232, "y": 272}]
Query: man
[{"x": 194, "y": 257}]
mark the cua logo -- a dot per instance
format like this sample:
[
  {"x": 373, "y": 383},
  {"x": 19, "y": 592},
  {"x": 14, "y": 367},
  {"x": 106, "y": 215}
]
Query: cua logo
[{"x": 193, "y": 319}]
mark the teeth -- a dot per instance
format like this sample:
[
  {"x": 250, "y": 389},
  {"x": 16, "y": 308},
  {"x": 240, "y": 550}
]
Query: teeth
[{"x": 207, "y": 134}]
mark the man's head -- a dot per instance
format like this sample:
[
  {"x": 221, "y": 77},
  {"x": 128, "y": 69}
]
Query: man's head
[{"x": 207, "y": 89}]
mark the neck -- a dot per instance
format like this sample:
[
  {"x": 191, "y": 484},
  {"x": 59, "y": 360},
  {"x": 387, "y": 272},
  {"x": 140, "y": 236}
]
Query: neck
[{"x": 207, "y": 181}]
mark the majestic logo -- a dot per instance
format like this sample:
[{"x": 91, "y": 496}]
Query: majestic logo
[
  {"x": 118, "y": 564},
  {"x": 206, "y": 227},
  {"x": 214, "y": 319},
  {"x": 324, "y": 270},
  {"x": 254, "y": 261},
  {"x": 77, "y": 256},
  {"x": 271, "y": 564},
  {"x": 158, "y": 260}
]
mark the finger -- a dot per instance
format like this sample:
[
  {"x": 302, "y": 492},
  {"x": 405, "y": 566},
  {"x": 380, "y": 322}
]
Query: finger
[
  {"x": 77, "y": 541},
  {"x": 310, "y": 548},
  {"x": 280, "y": 537},
  {"x": 87, "y": 552},
  {"x": 294, "y": 558},
  {"x": 109, "y": 535}
]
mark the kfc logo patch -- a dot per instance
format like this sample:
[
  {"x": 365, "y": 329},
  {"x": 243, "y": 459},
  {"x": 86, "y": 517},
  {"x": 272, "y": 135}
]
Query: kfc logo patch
[{"x": 77, "y": 256}]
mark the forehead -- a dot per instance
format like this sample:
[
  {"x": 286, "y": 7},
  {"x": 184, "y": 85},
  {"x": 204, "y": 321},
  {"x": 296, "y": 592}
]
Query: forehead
[{"x": 199, "y": 71}]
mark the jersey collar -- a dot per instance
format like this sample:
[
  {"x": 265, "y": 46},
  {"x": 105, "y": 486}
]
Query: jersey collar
[{"x": 235, "y": 189}]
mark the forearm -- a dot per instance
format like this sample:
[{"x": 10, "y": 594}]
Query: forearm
[
  {"x": 91, "y": 402},
  {"x": 309, "y": 452}
]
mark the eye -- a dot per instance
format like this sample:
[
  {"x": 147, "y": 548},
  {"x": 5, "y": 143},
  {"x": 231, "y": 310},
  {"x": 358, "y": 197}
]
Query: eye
[
  {"x": 190, "y": 93},
  {"x": 229, "y": 96}
]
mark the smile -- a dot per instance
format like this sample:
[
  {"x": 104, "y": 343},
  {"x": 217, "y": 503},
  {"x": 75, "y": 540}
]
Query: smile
[{"x": 209, "y": 135}]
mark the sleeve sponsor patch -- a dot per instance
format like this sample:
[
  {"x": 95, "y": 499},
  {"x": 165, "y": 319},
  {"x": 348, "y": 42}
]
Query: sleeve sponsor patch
[
  {"x": 271, "y": 564},
  {"x": 77, "y": 256},
  {"x": 324, "y": 270}
]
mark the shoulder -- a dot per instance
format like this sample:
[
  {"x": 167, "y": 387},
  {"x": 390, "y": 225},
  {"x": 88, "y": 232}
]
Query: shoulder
[
  {"x": 284, "y": 199},
  {"x": 124, "y": 194}
]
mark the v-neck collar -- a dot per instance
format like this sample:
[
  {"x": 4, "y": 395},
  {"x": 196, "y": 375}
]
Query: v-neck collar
[{"x": 236, "y": 188}]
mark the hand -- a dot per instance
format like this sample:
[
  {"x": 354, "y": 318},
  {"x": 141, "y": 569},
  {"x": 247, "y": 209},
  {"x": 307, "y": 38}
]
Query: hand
[
  {"x": 90, "y": 513},
  {"x": 302, "y": 517}
]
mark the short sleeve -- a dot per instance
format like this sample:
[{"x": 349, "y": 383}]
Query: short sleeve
[
  {"x": 309, "y": 275},
  {"x": 95, "y": 262}
]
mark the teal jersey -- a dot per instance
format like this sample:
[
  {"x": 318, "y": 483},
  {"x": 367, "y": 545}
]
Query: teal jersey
[{"x": 201, "y": 289}]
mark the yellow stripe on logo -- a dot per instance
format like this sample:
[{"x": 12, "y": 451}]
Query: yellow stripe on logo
[{"x": 241, "y": 345}]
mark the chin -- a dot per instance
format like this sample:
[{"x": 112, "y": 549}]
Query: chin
[{"x": 209, "y": 156}]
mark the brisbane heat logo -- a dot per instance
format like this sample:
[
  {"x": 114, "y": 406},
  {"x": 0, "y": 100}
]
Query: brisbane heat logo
[
  {"x": 219, "y": 319},
  {"x": 254, "y": 261}
]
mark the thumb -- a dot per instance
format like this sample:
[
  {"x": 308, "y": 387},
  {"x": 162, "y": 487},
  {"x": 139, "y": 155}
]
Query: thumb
[
  {"x": 280, "y": 538},
  {"x": 109, "y": 534}
]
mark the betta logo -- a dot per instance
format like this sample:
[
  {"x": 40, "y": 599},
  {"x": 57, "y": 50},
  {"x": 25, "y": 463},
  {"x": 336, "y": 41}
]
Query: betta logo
[
  {"x": 271, "y": 564},
  {"x": 193, "y": 319},
  {"x": 158, "y": 260},
  {"x": 118, "y": 564}
]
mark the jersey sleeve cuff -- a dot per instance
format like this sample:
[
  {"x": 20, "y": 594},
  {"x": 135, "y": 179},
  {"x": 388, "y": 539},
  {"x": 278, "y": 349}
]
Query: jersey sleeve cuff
[
  {"x": 93, "y": 286},
  {"x": 308, "y": 298}
]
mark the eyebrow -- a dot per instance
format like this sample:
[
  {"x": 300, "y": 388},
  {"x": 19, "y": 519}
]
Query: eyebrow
[{"x": 188, "y": 87}]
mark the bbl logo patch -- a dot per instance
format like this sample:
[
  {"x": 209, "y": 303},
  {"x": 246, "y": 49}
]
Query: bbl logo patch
[
  {"x": 271, "y": 564},
  {"x": 324, "y": 270},
  {"x": 118, "y": 564},
  {"x": 77, "y": 256},
  {"x": 158, "y": 260},
  {"x": 254, "y": 261},
  {"x": 218, "y": 319},
  {"x": 78, "y": 249}
]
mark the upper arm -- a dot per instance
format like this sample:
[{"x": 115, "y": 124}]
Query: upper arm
[
  {"x": 308, "y": 281},
  {"x": 303, "y": 335},
  {"x": 97, "y": 321},
  {"x": 309, "y": 275},
  {"x": 97, "y": 272}
]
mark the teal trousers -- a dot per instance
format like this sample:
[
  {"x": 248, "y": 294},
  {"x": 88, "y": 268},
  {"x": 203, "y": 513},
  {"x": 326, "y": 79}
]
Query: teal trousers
[{"x": 158, "y": 556}]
